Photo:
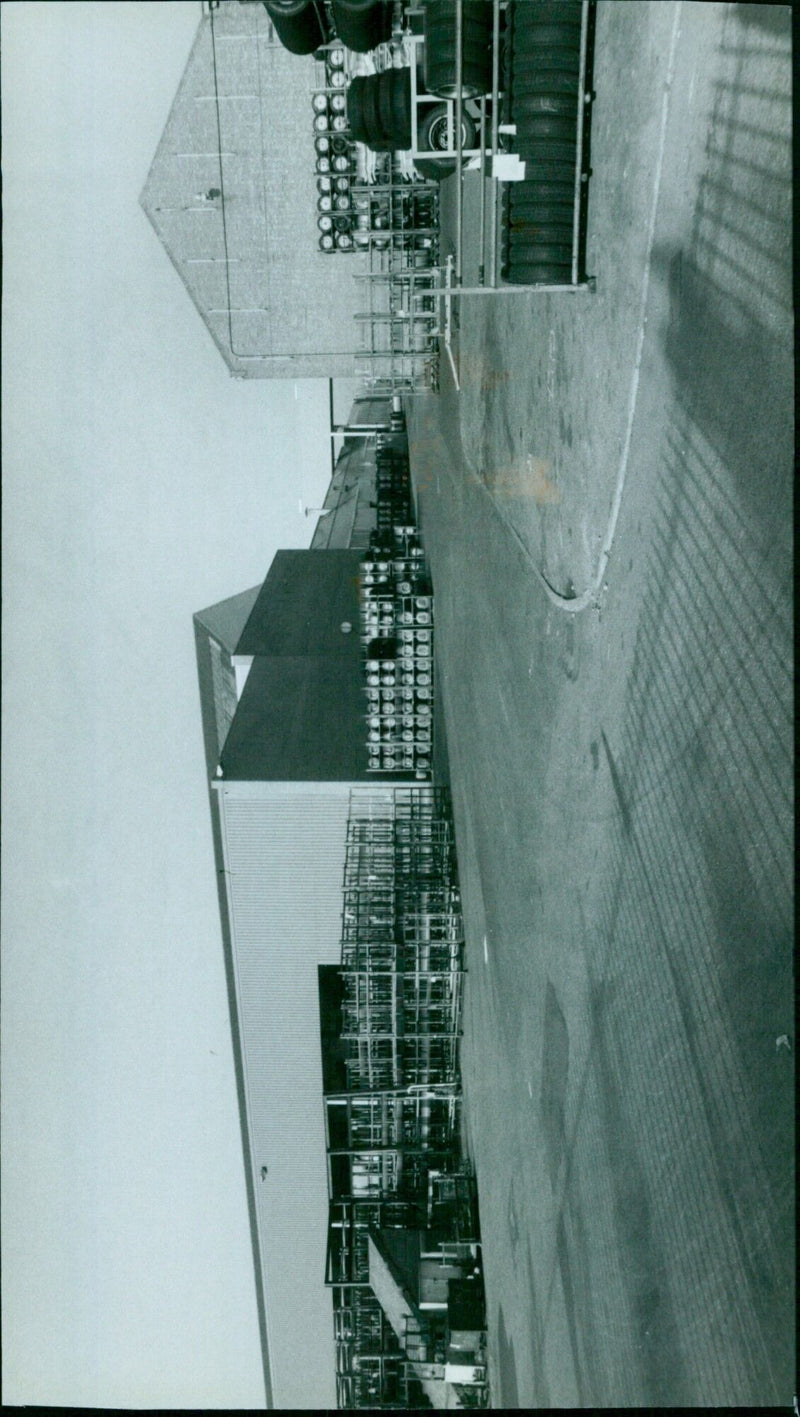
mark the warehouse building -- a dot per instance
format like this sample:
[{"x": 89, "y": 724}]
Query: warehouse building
[
  {"x": 282, "y": 701},
  {"x": 337, "y": 884},
  {"x": 231, "y": 195}
]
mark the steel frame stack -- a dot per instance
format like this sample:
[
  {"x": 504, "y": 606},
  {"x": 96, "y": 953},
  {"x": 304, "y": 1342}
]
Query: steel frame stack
[
  {"x": 396, "y": 613},
  {"x": 393, "y": 1131},
  {"x": 397, "y": 223},
  {"x": 402, "y": 942}
]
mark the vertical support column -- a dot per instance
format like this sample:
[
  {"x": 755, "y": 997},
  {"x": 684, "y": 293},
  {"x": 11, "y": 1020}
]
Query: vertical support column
[
  {"x": 495, "y": 137},
  {"x": 459, "y": 135}
]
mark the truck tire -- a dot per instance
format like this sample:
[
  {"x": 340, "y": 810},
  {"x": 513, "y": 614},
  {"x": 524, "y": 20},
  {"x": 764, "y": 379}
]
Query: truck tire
[
  {"x": 549, "y": 12},
  {"x": 538, "y": 273},
  {"x": 356, "y": 121},
  {"x": 440, "y": 48},
  {"x": 362, "y": 24},
  {"x": 401, "y": 104},
  {"x": 432, "y": 131},
  {"x": 546, "y": 81},
  {"x": 372, "y": 117},
  {"x": 549, "y": 253},
  {"x": 545, "y": 194},
  {"x": 546, "y": 126},
  {"x": 555, "y": 105},
  {"x": 432, "y": 136},
  {"x": 532, "y": 38},
  {"x": 299, "y": 24},
  {"x": 394, "y": 107},
  {"x": 541, "y": 152}
]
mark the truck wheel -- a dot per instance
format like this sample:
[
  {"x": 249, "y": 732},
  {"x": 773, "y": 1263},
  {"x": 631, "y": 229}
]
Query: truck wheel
[
  {"x": 297, "y": 24},
  {"x": 433, "y": 130},
  {"x": 362, "y": 24},
  {"x": 440, "y": 48}
]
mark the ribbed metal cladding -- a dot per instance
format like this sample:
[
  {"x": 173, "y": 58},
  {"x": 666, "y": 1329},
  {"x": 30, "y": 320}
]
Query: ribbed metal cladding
[{"x": 284, "y": 847}]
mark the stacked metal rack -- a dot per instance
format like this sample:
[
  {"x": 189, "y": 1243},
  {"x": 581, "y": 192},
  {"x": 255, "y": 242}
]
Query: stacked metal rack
[
  {"x": 335, "y": 154},
  {"x": 402, "y": 956},
  {"x": 397, "y": 224},
  {"x": 396, "y": 608},
  {"x": 392, "y": 1096}
]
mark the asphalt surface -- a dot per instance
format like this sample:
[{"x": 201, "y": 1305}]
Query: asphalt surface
[{"x": 623, "y": 776}]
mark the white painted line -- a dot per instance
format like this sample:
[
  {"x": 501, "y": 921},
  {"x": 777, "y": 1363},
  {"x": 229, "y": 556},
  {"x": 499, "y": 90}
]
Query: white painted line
[
  {"x": 485, "y": 951},
  {"x": 589, "y": 596}
]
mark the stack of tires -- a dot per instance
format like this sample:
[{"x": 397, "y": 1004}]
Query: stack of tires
[
  {"x": 302, "y": 26},
  {"x": 362, "y": 24},
  {"x": 545, "y": 74},
  {"x": 440, "y": 48},
  {"x": 379, "y": 110}
]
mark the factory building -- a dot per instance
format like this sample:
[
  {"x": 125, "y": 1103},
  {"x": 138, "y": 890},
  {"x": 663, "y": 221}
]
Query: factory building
[
  {"x": 338, "y": 892},
  {"x": 232, "y": 196}
]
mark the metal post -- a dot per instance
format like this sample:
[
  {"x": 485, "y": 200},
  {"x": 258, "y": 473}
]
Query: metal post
[
  {"x": 481, "y": 265},
  {"x": 495, "y": 134},
  {"x": 459, "y": 134}
]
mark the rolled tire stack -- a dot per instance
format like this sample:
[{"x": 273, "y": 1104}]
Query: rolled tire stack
[
  {"x": 440, "y": 48},
  {"x": 545, "y": 73},
  {"x": 362, "y": 24},
  {"x": 379, "y": 110},
  {"x": 301, "y": 25}
]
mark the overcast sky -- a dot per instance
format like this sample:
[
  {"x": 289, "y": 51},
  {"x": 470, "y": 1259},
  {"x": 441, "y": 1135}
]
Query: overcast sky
[{"x": 141, "y": 483}]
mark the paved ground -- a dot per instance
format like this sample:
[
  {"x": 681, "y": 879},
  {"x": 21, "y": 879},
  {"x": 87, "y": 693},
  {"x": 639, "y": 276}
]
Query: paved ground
[{"x": 623, "y": 776}]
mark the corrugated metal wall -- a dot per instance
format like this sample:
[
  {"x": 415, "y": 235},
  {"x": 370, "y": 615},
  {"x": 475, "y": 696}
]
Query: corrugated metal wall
[{"x": 284, "y": 850}]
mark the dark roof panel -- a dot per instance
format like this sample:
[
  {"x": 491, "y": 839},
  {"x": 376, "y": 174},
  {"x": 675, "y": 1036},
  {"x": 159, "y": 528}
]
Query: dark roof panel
[
  {"x": 300, "y": 718},
  {"x": 302, "y": 604}
]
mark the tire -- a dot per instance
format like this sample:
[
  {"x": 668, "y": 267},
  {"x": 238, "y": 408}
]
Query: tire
[
  {"x": 554, "y": 253},
  {"x": 547, "y": 81},
  {"x": 538, "y": 274},
  {"x": 401, "y": 105},
  {"x": 535, "y": 35},
  {"x": 433, "y": 129},
  {"x": 435, "y": 169},
  {"x": 531, "y": 16},
  {"x": 362, "y": 24},
  {"x": 297, "y": 24},
  {"x": 533, "y": 215},
  {"x": 540, "y": 152},
  {"x": 355, "y": 110},
  {"x": 385, "y": 89},
  {"x": 545, "y": 125},
  {"x": 440, "y": 56},
  {"x": 552, "y": 105},
  {"x": 528, "y": 239},
  {"x": 536, "y": 191},
  {"x": 372, "y": 117}
]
